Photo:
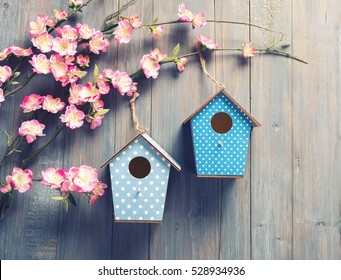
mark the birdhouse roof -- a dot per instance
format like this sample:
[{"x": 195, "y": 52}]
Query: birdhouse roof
[
  {"x": 155, "y": 145},
  {"x": 254, "y": 122}
]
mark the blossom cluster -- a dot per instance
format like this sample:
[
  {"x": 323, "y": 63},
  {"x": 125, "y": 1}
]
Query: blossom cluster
[
  {"x": 197, "y": 20},
  {"x": 82, "y": 179},
  {"x": 20, "y": 180}
]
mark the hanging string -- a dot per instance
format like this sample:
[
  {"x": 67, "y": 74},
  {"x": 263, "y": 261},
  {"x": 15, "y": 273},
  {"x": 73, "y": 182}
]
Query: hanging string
[
  {"x": 138, "y": 127},
  {"x": 203, "y": 65}
]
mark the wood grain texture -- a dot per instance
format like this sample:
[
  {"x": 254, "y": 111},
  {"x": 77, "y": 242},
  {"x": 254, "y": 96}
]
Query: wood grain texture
[
  {"x": 271, "y": 158},
  {"x": 233, "y": 71},
  {"x": 287, "y": 206},
  {"x": 316, "y": 129}
]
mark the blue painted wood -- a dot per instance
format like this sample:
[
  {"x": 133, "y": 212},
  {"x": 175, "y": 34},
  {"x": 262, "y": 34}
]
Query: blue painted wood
[
  {"x": 220, "y": 154},
  {"x": 139, "y": 199}
]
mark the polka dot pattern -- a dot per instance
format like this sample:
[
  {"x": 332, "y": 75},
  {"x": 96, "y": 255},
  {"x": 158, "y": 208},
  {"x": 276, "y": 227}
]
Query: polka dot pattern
[
  {"x": 220, "y": 154},
  {"x": 139, "y": 199}
]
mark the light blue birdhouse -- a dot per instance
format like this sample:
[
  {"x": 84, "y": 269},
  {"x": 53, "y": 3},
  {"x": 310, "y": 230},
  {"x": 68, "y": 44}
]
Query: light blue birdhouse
[
  {"x": 139, "y": 177},
  {"x": 220, "y": 131}
]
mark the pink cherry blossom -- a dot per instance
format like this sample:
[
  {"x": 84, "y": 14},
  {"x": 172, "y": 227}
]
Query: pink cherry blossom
[
  {"x": 135, "y": 21},
  {"x": 31, "y": 129},
  {"x": 102, "y": 86},
  {"x": 73, "y": 117},
  {"x": 97, "y": 192},
  {"x": 181, "y": 64},
  {"x": 4, "y": 53},
  {"x": 184, "y": 13},
  {"x": 31, "y": 102},
  {"x": 84, "y": 177},
  {"x": 18, "y": 51},
  {"x": 199, "y": 20},
  {"x": 40, "y": 25},
  {"x": 89, "y": 93},
  {"x": 53, "y": 177},
  {"x": 108, "y": 73},
  {"x": 149, "y": 66},
  {"x": 123, "y": 32},
  {"x": 98, "y": 43},
  {"x": 95, "y": 121},
  {"x": 64, "y": 47},
  {"x": 60, "y": 14},
  {"x": 85, "y": 32},
  {"x": 58, "y": 66},
  {"x": 157, "y": 55},
  {"x": 21, "y": 180},
  {"x": 156, "y": 31},
  {"x": 68, "y": 32},
  {"x": 43, "y": 42},
  {"x": 41, "y": 64},
  {"x": 248, "y": 50},
  {"x": 187, "y": 16},
  {"x": 5, "y": 73},
  {"x": 98, "y": 105},
  {"x": 69, "y": 59},
  {"x": 7, "y": 187},
  {"x": 52, "y": 105},
  {"x": 75, "y": 2},
  {"x": 124, "y": 83},
  {"x": 83, "y": 60},
  {"x": 74, "y": 98},
  {"x": 207, "y": 43},
  {"x": 2, "y": 97}
]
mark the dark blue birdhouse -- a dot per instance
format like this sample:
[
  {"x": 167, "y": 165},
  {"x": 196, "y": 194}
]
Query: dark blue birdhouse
[{"x": 220, "y": 131}]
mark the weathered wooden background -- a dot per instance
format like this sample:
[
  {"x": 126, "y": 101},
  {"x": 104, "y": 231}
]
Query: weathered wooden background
[{"x": 288, "y": 206}]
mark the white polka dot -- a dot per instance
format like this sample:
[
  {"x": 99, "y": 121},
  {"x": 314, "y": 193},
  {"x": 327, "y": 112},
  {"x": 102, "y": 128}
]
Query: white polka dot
[
  {"x": 145, "y": 200},
  {"x": 135, "y": 152},
  {"x": 136, "y": 141},
  {"x": 117, "y": 206},
  {"x": 112, "y": 176},
  {"x": 128, "y": 182},
  {"x": 151, "y": 194},
  {"x": 140, "y": 218},
  {"x": 139, "y": 195},
  {"x": 122, "y": 176},
  {"x": 128, "y": 194},
  {"x": 163, "y": 194},
  {"x": 151, "y": 206},
  {"x": 117, "y": 194},
  {"x": 163, "y": 170},
  {"x": 128, "y": 206},
  {"x": 123, "y": 212},
  {"x": 140, "y": 206},
  {"x": 129, "y": 218},
  {"x": 157, "y": 200},
  {"x": 123, "y": 189},
  {"x": 117, "y": 170},
  {"x": 141, "y": 147},
  {"x": 118, "y": 158},
  {"x": 146, "y": 212},
  {"x": 146, "y": 153},
  {"x": 130, "y": 147},
  {"x": 139, "y": 182},
  {"x": 111, "y": 165},
  {"x": 163, "y": 183},
  {"x": 157, "y": 176},
  {"x": 123, "y": 200},
  {"x": 157, "y": 212},
  {"x": 152, "y": 159},
  {"x": 123, "y": 164},
  {"x": 157, "y": 164},
  {"x": 134, "y": 200},
  {"x": 134, "y": 212},
  {"x": 151, "y": 183}
]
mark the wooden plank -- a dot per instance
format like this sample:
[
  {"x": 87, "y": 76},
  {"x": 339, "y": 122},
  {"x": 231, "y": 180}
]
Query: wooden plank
[
  {"x": 271, "y": 159},
  {"x": 84, "y": 223},
  {"x": 233, "y": 71},
  {"x": 190, "y": 229},
  {"x": 317, "y": 153},
  {"x": 34, "y": 211},
  {"x": 131, "y": 241}
]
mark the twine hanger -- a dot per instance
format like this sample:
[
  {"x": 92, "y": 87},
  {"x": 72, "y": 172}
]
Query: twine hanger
[
  {"x": 138, "y": 127},
  {"x": 203, "y": 65}
]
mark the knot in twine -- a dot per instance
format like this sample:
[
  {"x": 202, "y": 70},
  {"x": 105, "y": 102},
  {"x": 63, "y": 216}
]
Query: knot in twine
[
  {"x": 138, "y": 127},
  {"x": 203, "y": 65}
]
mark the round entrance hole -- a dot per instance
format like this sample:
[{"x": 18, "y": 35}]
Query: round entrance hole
[
  {"x": 221, "y": 122},
  {"x": 139, "y": 167}
]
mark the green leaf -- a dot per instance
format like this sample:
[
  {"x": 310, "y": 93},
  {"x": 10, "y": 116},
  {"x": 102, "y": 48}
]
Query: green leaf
[
  {"x": 155, "y": 20},
  {"x": 176, "y": 50},
  {"x": 102, "y": 112},
  {"x": 16, "y": 74},
  {"x": 14, "y": 83},
  {"x": 80, "y": 74},
  {"x": 59, "y": 198},
  {"x": 96, "y": 70},
  {"x": 65, "y": 205}
]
